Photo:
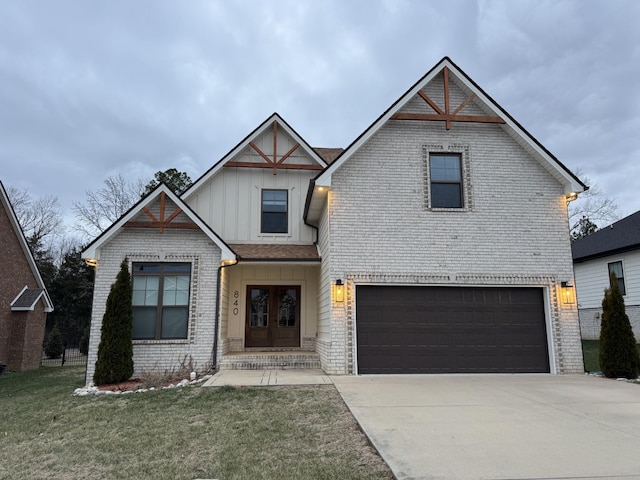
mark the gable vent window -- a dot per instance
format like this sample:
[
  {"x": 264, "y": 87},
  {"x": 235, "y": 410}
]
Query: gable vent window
[
  {"x": 445, "y": 173},
  {"x": 616, "y": 267},
  {"x": 274, "y": 211}
]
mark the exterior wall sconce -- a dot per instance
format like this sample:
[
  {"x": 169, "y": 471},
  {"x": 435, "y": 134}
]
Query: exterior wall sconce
[
  {"x": 571, "y": 196},
  {"x": 91, "y": 262},
  {"x": 339, "y": 291},
  {"x": 567, "y": 293}
]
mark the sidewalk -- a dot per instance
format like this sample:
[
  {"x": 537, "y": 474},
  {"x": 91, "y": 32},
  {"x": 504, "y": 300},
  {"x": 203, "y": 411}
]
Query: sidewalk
[{"x": 268, "y": 378}]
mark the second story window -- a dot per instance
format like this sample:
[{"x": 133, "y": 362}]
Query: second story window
[
  {"x": 616, "y": 267},
  {"x": 445, "y": 172},
  {"x": 274, "y": 211}
]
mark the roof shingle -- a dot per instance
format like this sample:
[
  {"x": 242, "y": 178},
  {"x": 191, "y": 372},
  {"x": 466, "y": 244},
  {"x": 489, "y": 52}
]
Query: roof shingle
[{"x": 620, "y": 236}]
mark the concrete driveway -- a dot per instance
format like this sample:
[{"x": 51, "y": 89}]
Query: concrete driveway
[{"x": 499, "y": 426}]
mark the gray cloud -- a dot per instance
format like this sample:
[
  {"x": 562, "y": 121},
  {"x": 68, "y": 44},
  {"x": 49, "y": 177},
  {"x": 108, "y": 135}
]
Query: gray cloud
[{"x": 93, "y": 89}]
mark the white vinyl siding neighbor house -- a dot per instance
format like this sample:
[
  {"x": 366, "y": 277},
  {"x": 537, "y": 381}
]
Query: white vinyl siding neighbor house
[{"x": 613, "y": 248}]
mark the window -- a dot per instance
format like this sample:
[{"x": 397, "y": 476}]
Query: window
[
  {"x": 160, "y": 300},
  {"x": 274, "y": 211},
  {"x": 616, "y": 267},
  {"x": 445, "y": 174}
]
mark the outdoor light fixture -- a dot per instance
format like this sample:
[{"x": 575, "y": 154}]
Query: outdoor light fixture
[
  {"x": 567, "y": 292},
  {"x": 339, "y": 291},
  {"x": 91, "y": 262},
  {"x": 571, "y": 196}
]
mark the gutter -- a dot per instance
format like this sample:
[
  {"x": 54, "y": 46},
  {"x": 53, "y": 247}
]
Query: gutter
[{"x": 312, "y": 184}]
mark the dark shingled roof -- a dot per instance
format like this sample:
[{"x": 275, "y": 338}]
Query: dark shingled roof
[
  {"x": 270, "y": 252},
  {"x": 28, "y": 299},
  {"x": 621, "y": 236},
  {"x": 328, "y": 154}
]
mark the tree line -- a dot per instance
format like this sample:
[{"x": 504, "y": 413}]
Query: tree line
[{"x": 68, "y": 279}]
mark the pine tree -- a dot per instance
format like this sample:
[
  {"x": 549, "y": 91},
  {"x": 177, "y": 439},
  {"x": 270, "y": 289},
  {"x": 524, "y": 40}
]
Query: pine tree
[
  {"x": 115, "y": 352},
  {"x": 618, "y": 353}
]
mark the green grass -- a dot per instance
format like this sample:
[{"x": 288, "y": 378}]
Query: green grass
[
  {"x": 590, "y": 353},
  {"x": 193, "y": 432}
]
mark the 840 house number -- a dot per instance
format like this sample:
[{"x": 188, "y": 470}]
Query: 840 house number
[{"x": 236, "y": 295}]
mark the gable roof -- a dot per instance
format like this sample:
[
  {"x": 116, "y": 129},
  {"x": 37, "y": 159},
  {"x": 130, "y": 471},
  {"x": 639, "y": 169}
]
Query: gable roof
[
  {"x": 93, "y": 249},
  {"x": 559, "y": 171},
  {"x": 27, "y": 299},
  {"x": 258, "y": 131},
  {"x": 13, "y": 219},
  {"x": 621, "y": 236}
]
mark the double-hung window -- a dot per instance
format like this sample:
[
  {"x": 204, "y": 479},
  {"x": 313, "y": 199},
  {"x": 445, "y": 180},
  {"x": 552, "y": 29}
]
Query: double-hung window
[
  {"x": 274, "y": 211},
  {"x": 616, "y": 267},
  {"x": 161, "y": 300},
  {"x": 445, "y": 174}
]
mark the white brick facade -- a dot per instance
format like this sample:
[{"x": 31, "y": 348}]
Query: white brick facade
[
  {"x": 148, "y": 245},
  {"x": 514, "y": 233}
]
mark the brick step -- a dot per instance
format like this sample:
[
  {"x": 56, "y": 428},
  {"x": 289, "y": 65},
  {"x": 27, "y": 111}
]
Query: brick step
[{"x": 270, "y": 360}]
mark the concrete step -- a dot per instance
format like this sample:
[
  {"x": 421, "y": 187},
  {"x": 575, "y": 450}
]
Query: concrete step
[{"x": 270, "y": 360}]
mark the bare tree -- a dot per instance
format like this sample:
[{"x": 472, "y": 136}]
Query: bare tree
[
  {"x": 40, "y": 218},
  {"x": 107, "y": 204},
  {"x": 592, "y": 205}
]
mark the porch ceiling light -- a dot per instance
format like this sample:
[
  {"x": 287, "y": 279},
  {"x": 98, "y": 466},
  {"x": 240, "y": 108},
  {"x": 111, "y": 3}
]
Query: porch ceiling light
[
  {"x": 339, "y": 291},
  {"x": 567, "y": 292}
]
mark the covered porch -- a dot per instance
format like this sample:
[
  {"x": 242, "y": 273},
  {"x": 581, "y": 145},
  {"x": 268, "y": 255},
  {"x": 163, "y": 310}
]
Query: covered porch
[{"x": 268, "y": 317}]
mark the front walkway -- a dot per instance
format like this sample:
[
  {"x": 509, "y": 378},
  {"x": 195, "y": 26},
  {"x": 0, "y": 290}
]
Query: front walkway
[{"x": 268, "y": 378}]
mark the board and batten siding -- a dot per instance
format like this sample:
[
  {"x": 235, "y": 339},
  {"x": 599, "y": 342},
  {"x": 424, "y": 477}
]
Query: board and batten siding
[
  {"x": 240, "y": 276},
  {"x": 231, "y": 204}
]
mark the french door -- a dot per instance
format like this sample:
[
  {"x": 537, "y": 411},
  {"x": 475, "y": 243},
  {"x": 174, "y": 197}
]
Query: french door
[{"x": 273, "y": 316}]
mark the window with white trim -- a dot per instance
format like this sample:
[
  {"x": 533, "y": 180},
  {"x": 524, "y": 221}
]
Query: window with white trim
[
  {"x": 616, "y": 268},
  {"x": 161, "y": 300},
  {"x": 275, "y": 211}
]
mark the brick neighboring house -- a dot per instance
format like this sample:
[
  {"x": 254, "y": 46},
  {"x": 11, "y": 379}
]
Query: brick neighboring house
[
  {"x": 615, "y": 248},
  {"x": 24, "y": 301},
  {"x": 437, "y": 242}
]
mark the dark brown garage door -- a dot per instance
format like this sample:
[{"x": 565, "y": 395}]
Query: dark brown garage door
[{"x": 411, "y": 329}]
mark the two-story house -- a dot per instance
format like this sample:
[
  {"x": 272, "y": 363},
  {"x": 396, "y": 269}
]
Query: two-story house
[
  {"x": 612, "y": 249},
  {"x": 436, "y": 242}
]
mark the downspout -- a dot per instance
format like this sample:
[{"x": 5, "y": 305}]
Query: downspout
[
  {"x": 312, "y": 184},
  {"x": 214, "y": 352}
]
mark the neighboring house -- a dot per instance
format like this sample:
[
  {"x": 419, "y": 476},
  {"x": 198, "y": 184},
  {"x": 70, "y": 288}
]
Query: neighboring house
[
  {"x": 437, "y": 242},
  {"x": 24, "y": 301},
  {"x": 616, "y": 249}
]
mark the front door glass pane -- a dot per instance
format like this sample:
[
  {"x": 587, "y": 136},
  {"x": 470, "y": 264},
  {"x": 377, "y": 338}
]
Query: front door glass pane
[
  {"x": 259, "y": 316},
  {"x": 287, "y": 307}
]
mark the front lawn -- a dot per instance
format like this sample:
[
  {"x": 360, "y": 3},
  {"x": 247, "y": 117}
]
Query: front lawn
[
  {"x": 590, "y": 353},
  {"x": 187, "y": 433}
]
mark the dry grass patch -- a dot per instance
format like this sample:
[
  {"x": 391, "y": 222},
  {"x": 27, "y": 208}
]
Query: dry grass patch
[{"x": 193, "y": 432}]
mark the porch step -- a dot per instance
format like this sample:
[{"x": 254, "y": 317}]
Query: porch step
[{"x": 270, "y": 360}]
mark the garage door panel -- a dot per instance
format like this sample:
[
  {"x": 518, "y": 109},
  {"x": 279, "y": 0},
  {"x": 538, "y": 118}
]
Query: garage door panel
[{"x": 450, "y": 330}]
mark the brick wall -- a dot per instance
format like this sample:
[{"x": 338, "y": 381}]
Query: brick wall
[
  {"x": 148, "y": 245},
  {"x": 514, "y": 230},
  {"x": 21, "y": 333},
  {"x": 590, "y": 319}
]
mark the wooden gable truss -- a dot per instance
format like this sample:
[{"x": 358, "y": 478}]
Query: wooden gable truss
[
  {"x": 274, "y": 162},
  {"x": 446, "y": 116},
  {"x": 162, "y": 222}
]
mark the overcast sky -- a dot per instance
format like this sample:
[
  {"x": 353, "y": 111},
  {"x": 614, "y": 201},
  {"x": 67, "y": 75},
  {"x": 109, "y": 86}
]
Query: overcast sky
[{"x": 92, "y": 89}]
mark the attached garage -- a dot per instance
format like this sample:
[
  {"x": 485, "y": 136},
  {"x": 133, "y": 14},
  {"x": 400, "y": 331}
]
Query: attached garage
[{"x": 417, "y": 329}]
